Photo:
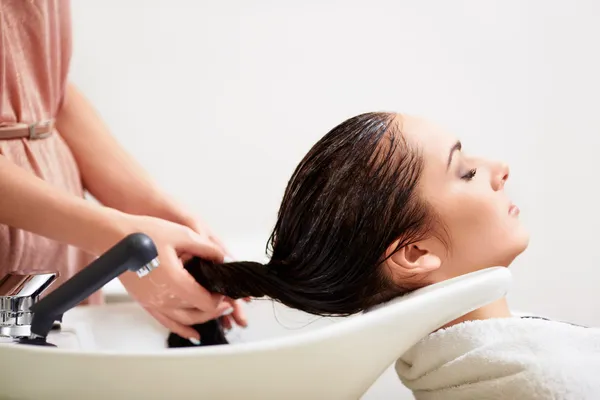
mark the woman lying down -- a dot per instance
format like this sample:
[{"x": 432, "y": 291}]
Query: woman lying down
[{"x": 382, "y": 205}]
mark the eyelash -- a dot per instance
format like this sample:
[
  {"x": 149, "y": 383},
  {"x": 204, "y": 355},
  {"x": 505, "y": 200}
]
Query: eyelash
[{"x": 470, "y": 175}]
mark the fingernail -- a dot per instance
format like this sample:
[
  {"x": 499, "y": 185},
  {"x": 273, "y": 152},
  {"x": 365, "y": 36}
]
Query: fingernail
[
  {"x": 227, "y": 311},
  {"x": 194, "y": 341}
]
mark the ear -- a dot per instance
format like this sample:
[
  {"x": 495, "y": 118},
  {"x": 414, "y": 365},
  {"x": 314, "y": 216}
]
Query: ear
[{"x": 414, "y": 259}]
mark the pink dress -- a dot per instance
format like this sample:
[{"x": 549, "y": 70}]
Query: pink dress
[{"x": 35, "y": 51}]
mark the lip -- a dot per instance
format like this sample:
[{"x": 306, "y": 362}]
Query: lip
[{"x": 513, "y": 210}]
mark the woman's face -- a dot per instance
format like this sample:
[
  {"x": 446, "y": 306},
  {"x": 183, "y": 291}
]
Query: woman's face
[{"x": 467, "y": 194}]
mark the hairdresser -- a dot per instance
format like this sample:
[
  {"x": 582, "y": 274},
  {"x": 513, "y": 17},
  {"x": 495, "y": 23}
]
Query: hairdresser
[{"x": 53, "y": 148}]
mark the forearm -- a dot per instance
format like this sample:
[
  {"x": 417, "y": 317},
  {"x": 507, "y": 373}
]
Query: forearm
[
  {"x": 31, "y": 204},
  {"x": 109, "y": 173}
]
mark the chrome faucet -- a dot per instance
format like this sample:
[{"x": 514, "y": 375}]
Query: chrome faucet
[{"x": 17, "y": 294}]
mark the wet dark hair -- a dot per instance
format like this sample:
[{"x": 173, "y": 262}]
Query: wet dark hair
[{"x": 350, "y": 198}]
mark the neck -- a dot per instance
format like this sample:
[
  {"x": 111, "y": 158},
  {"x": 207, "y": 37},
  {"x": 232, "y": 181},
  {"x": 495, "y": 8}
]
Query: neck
[{"x": 497, "y": 309}]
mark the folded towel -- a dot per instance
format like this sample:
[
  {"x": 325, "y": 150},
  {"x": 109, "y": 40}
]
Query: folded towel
[{"x": 510, "y": 358}]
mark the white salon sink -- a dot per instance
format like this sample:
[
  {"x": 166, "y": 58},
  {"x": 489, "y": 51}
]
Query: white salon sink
[
  {"x": 118, "y": 351},
  {"x": 120, "y": 327},
  {"x": 124, "y": 327}
]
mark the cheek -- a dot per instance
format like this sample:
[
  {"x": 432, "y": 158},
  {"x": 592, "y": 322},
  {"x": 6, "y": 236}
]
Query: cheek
[
  {"x": 472, "y": 216},
  {"x": 476, "y": 225},
  {"x": 481, "y": 231}
]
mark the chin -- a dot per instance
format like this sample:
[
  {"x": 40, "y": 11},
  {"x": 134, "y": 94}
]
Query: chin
[
  {"x": 519, "y": 245},
  {"x": 522, "y": 239}
]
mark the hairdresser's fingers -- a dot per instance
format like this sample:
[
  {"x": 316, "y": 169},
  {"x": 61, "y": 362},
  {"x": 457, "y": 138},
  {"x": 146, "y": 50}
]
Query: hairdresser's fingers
[
  {"x": 169, "y": 300},
  {"x": 173, "y": 326},
  {"x": 188, "y": 290},
  {"x": 226, "y": 322},
  {"x": 198, "y": 226},
  {"x": 216, "y": 298},
  {"x": 228, "y": 256},
  {"x": 194, "y": 295},
  {"x": 192, "y": 316},
  {"x": 217, "y": 241},
  {"x": 238, "y": 314},
  {"x": 185, "y": 257},
  {"x": 200, "y": 245}
]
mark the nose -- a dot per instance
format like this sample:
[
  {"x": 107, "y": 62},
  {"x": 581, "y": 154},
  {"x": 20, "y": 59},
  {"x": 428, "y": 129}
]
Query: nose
[{"x": 500, "y": 172}]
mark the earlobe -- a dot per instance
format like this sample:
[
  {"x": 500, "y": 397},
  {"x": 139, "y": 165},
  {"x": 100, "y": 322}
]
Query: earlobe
[{"x": 413, "y": 259}]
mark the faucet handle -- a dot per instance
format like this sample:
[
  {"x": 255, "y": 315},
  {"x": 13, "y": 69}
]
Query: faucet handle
[
  {"x": 17, "y": 294},
  {"x": 32, "y": 285}
]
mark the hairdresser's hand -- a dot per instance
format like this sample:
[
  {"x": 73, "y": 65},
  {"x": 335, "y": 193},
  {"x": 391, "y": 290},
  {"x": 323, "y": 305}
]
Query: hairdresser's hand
[
  {"x": 200, "y": 227},
  {"x": 169, "y": 293},
  {"x": 174, "y": 211},
  {"x": 236, "y": 311},
  {"x": 236, "y": 316}
]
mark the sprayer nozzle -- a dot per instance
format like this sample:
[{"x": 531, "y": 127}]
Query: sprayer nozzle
[{"x": 146, "y": 269}]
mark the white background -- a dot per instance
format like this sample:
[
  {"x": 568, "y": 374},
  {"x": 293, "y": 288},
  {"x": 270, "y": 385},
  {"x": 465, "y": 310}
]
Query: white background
[{"x": 221, "y": 100}]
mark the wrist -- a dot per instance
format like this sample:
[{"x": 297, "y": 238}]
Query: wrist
[
  {"x": 110, "y": 227},
  {"x": 167, "y": 208}
]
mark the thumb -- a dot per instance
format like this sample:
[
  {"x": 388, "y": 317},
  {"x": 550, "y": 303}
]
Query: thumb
[
  {"x": 198, "y": 227},
  {"x": 200, "y": 246}
]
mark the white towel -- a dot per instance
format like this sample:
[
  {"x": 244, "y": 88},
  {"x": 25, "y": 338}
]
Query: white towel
[{"x": 510, "y": 358}]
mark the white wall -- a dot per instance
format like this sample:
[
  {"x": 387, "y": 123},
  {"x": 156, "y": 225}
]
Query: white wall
[{"x": 220, "y": 100}]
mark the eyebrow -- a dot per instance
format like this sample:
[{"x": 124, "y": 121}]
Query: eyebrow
[{"x": 457, "y": 147}]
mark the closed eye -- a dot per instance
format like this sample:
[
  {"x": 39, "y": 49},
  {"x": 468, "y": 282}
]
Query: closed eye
[{"x": 469, "y": 175}]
